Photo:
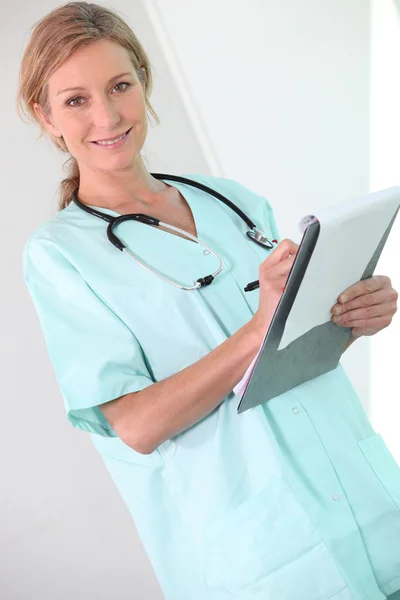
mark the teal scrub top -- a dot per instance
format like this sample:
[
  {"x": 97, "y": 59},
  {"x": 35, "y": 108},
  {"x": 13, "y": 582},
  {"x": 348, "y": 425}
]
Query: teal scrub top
[{"x": 296, "y": 499}]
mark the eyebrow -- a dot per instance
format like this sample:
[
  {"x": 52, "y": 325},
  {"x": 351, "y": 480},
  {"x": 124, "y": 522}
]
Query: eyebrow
[{"x": 73, "y": 89}]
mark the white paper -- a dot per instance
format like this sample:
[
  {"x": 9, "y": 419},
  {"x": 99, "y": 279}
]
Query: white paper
[{"x": 349, "y": 235}]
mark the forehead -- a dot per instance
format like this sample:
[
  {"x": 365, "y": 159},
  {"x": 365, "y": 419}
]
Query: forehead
[{"x": 91, "y": 64}]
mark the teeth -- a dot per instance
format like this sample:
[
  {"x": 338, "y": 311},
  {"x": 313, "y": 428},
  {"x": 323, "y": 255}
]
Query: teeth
[{"x": 110, "y": 142}]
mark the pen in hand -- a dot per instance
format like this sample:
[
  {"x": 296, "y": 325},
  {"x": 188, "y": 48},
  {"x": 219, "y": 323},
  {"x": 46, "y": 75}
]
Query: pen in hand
[
  {"x": 287, "y": 257},
  {"x": 253, "y": 285},
  {"x": 273, "y": 274}
]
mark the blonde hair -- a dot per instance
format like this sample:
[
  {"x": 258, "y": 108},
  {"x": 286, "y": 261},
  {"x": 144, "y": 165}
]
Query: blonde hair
[{"x": 54, "y": 39}]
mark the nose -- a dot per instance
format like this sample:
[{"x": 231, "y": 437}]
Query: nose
[{"x": 104, "y": 114}]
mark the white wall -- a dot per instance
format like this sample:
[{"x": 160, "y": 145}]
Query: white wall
[
  {"x": 273, "y": 94},
  {"x": 65, "y": 533},
  {"x": 385, "y": 172},
  {"x": 281, "y": 93}
]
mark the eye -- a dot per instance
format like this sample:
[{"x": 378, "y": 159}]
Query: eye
[
  {"x": 73, "y": 102},
  {"x": 122, "y": 83},
  {"x": 69, "y": 102}
]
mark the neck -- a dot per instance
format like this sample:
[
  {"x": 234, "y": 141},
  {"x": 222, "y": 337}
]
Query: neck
[{"x": 112, "y": 189}]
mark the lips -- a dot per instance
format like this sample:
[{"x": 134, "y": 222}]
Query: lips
[{"x": 113, "y": 139}]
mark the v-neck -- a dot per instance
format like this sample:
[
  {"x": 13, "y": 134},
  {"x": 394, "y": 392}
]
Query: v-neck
[
  {"x": 209, "y": 219},
  {"x": 185, "y": 196}
]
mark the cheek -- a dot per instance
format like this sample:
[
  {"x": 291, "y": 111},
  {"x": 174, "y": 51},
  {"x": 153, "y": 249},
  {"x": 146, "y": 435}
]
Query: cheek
[
  {"x": 134, "y": 105},
  {"x": 75, "y": 131},
  {"x": 142, "y": 130}
]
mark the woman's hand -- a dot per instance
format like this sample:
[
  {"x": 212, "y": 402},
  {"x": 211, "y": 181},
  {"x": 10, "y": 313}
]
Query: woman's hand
[
  {"x": 273, "y": 274},
  {"x": 367, "y": 306}
]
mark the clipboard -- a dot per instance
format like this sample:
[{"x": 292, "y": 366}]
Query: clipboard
[{"x": 319, "y": 349}]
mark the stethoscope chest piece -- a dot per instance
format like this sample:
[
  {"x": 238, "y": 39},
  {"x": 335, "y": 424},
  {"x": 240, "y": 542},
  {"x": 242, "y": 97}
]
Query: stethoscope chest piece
[{"x": 259, "y": 238}]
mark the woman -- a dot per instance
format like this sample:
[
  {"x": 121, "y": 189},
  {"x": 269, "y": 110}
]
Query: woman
[{"x": 282, "y": 501}]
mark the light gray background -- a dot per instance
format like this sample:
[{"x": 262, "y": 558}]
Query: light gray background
[{"x": 273, "y": 94}]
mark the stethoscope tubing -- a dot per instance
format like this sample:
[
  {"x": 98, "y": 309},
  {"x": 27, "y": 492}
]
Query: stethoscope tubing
[
  {"x": 254, "y": 234},
  {"x": 198, "y": 283}
]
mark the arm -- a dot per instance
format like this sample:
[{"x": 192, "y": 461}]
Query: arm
[
  {"x": 145, "y": 419},
  {"x": 154, "y": 412}
]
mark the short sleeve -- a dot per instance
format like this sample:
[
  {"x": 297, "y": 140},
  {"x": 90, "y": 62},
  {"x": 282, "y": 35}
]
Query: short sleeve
[{"x": 95, "y": 356}]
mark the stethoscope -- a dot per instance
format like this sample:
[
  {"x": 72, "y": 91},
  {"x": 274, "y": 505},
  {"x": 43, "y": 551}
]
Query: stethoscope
[{"x": 253, "y": 233}]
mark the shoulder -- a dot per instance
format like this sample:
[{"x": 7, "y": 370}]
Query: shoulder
[
  {"x": 46, "y": 242},
  {"x": 53, "y": 226},
  {"x": 255, "y": 205},
  {"x": 225, "y": 184},
  {"x": 244, "y": 197}
]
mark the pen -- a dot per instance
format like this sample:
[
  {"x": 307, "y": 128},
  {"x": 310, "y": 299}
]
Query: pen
[{"x": 253, "y": 285}]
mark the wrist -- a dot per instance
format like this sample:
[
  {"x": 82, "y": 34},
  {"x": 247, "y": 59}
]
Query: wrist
[{"x": 257, "y": 328}]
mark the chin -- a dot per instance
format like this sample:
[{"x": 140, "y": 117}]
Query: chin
[{"x": 119, "y": 162}]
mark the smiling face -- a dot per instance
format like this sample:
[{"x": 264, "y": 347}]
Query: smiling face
[{"x": 108, "y": 101}]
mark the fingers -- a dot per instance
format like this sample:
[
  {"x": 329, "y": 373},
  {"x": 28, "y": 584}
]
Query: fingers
[
  {"x": 361, "y": 317},
  {"x": 367, "y": 286},
  {"x": 285, "y": 249},
  {"x": 370, "y": 326},
  {"x": 282, "y": 269},
  {"x": 373, "y": 307},
  {"x": 367, "y": 300}
]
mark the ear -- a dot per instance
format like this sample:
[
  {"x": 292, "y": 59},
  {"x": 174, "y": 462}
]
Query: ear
[
  {"x": 143, "y": 76},
  {"x": 46, "y": 120}
]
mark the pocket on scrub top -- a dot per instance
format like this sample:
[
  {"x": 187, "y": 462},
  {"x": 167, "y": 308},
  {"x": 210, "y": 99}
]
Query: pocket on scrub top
[
  {"x": 383, "y": 465},
  {"x": 268, "y": 548},
  {"x": 379, "y": 512}
]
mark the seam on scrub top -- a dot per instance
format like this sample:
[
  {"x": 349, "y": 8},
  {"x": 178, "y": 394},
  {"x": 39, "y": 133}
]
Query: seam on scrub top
[
  {"x": 113, "y": 311},
  {"x": 346, "y": 587},
  {"x": 59, "y": 249},
  {"x": 322, "y": 537},
  {"x": 344, "y": 493},
  {"x": 375, "y": 472},
  {"x": 183, "y": 517},
  {"x": 53, "y": 362},
  {"x": 284, "y": 566},
  {"x": 58, "y": 245},
  {"x": 390, "y": 583}
]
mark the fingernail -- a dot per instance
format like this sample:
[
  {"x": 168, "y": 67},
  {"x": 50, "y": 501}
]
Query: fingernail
[{"x": 342, "y": 299}]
